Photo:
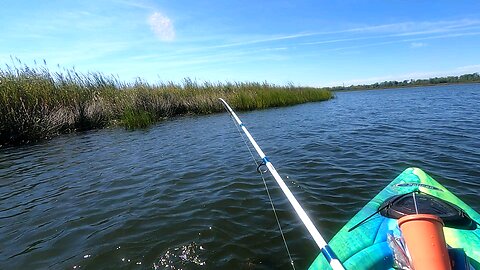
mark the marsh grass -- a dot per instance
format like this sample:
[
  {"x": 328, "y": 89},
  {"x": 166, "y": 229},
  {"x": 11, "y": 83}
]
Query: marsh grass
[
  {"x": 134, "y": 119},
  {"x": 37, "y": 104}
]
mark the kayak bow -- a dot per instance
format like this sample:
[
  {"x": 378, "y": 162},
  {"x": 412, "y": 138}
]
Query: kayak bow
[{"x": 368, "y": 235}]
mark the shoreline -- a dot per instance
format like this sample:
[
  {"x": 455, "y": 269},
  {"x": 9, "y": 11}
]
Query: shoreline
[
  {"x": 36, "y": 105},
  {"x": 400, "y": 87}
]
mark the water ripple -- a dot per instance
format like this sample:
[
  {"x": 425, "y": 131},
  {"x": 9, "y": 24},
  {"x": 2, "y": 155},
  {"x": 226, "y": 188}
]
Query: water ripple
[{"x": 185, "y": 194}]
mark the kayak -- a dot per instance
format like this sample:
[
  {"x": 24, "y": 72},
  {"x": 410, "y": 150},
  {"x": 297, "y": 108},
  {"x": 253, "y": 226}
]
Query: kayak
[{"x": 365, "y": 242}]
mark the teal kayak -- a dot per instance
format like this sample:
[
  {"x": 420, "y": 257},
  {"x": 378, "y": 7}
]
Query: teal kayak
[{"x": 363, "y": 243}]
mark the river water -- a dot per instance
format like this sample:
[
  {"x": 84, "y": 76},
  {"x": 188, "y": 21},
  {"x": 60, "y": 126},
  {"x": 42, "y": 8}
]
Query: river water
[{"x": 185, "y": 193}]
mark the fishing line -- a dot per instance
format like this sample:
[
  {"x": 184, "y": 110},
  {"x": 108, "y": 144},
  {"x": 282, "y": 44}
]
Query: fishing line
[
  {"x": 415, "y": 203},
  {"x": 259, "y": 165},
  {"x": 325, "y": 249}
]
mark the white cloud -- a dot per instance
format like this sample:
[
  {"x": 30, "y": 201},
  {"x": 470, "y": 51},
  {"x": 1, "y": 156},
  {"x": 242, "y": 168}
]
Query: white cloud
[
  {"x": 421, "y": 30},
  {"x": 263, "y": 40},
  {"x": 417, "y": 44},
  {"x": 162, "y": 26},
  {"x": 469, "y": 69},
  {"x": 135, "y": 4}
]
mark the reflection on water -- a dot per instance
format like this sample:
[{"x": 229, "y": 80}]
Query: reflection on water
[
  {"x": 185, "y": 194},
  {"x": 184, "y": 257}
]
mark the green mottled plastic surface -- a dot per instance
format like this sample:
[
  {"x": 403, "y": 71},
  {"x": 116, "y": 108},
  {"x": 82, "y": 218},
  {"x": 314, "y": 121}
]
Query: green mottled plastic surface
[{"x": 366, "y": 246}]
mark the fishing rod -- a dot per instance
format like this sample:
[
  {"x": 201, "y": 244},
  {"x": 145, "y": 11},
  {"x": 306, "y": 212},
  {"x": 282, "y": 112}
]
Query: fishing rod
[{"x": 321, "y": 243}]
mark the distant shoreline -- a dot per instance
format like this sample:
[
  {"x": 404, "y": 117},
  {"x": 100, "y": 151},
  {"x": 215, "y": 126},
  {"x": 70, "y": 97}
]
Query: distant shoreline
[
  {"x": 401, "y": 87},
  {"x": 437, "y": 81}
]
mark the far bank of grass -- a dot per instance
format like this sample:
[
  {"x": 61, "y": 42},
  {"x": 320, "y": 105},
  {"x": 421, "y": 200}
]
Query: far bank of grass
[
  {"x": 449, "y": 80},
  {"x": 37, "y": 104}
]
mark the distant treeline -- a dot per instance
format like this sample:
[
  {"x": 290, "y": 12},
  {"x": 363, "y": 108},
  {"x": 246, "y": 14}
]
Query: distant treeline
[
  {"x": 37, "y": 104},
  {"x": 466, "y": 78}
]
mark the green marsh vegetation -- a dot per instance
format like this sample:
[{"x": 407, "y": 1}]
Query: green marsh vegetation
[{"x": 37, "y": 104}]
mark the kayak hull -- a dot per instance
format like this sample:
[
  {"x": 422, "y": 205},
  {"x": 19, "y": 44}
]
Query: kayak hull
[{"x": 366, "y": 247}]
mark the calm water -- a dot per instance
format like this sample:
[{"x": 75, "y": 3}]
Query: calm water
[{"x": 185, "y": 194}]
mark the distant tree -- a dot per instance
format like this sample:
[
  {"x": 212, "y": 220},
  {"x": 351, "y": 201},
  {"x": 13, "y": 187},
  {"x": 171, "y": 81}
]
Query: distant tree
[{"x": 466, "y": 78}]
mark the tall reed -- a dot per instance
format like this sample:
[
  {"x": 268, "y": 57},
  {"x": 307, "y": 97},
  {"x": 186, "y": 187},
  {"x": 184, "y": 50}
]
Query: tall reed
[{"x": 37, "y": 104}]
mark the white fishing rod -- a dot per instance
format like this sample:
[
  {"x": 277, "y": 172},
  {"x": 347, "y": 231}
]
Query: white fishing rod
[{"x": 322, "y": 244}]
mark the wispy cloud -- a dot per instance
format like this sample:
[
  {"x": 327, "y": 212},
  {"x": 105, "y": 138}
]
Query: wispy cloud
[
  {"x": 402, "y": 29},
  {"x": 417, "y": 44},
  {"x": 469, "y": 68},
  {"x": 424, "y": 28},
  {"x": 182, "y": 58},
  {"x": 262, "y": 40},
  {"x": 162, "y": 26},
  {"x": 135, "y": 4},
  {"x": 409, "y": 40},
  {"x": 423, "y": 31},
  {"x": 83, "y": 52}
]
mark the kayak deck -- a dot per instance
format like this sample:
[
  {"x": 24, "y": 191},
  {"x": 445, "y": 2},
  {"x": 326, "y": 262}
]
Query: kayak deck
[{"x": 366, "y": 246}]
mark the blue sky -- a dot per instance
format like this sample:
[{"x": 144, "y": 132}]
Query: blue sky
[{"x": 316, "y": 43}]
